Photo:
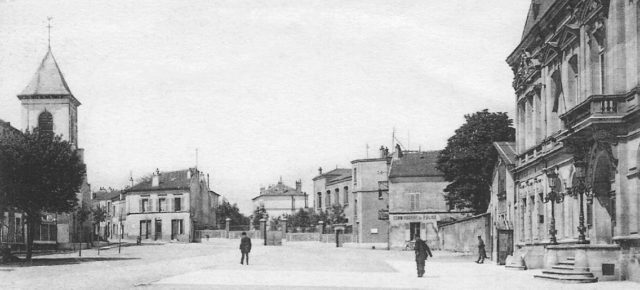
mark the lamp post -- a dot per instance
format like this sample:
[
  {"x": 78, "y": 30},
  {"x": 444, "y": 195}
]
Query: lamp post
[
  {"x": 581, "y": 189},
  {"x": 553, "y": 196}
]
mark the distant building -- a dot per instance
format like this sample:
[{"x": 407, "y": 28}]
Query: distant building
[
  {"x": 280, "y": 199},
  {"x": 370, "y": 199},
  {"x": 333, "y": 187},
  {"x": 416, "y": 198},
  {"x": 170, "y": 206},
  {"x": 503, "y": 201},
  {"x": 112, "y": 202},
  {"x": 12, "y": 223}
]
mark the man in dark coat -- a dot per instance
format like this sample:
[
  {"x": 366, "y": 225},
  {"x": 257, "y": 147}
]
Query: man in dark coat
[
  {"x": 482, "y": 253},
  {"x": 422, "y": 251},
  {"x": 245, "y": 247}
]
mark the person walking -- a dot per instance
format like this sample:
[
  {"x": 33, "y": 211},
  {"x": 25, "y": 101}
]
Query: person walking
[
  {"x": 482, "y": 253},
  {"x": 422, "y": 251},
  {"x": 245, "y": 247}
]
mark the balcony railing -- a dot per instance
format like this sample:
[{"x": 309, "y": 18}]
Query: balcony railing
[{"x": 594, "y": 106}]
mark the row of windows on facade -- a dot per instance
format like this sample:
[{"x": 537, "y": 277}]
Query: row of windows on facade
[
  {"x": 564, "y": 83},
  {"x": 177, "y": 228},
  {"x": 536, "y": 208},
  {"x": 44, "y": 232},
  {"x": 337, "y": 193},
  {"x": 161, "y": 205}
]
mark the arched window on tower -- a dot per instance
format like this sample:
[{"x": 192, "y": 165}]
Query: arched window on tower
[{"x": 45, "y": 122}]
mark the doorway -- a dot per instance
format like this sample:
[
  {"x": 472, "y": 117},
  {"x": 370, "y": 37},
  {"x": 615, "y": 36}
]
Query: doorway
[
  {"x": 505, "y": 245},
  {"x": 158, "y": 234},
  {"x": 414, "y": 231},
  {"x": 603, "y": 200},
  {"x": 145, "y": 229}
]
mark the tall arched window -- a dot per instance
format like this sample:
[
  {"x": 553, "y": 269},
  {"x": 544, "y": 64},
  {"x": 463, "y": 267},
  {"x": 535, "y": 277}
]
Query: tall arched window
[
  {"x": 337, "y": 196},
  {"x": 346, "y": 195},
  {"x": 319, "y": 200},
  {"x": 327, "y": 200},
  {"x": 45, "y": 121}
]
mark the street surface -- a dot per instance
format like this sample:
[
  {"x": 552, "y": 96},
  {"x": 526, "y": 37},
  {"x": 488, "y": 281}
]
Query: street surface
[{"x": 300, "y": 265}]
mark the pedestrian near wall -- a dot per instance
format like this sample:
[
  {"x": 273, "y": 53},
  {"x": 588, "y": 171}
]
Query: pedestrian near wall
[
  {"x": 422, "y": 251},
  {"x": 245, "y": 247},
  {"x": 482, "y": 253}
]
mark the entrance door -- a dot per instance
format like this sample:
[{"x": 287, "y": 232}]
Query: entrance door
[
  {"x": 145, "y": 229},
  {"x": 158, "y": 234},
  {"x": 603, "y": 205},
  {"x": 505, "y": 245},
  {"x": 175, "y": 229},
  {"x": 414, "y": 231}
]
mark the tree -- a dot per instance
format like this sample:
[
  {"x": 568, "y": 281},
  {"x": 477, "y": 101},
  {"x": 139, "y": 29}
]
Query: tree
[
  {"x": 468, "y": 159},
  {"x": 228, "y": 210},
  {"x": 259, "y": 213},
  {"x": 40, "y": 173},
  {"x": 336, "y": 214},
  {"x": 99, "y": 215}
]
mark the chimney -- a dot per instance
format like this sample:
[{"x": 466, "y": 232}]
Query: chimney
[
  {"x": 299, "y": 185},
  {"x": 320, "y": 171},
  {"x": 155, "y": 180}
]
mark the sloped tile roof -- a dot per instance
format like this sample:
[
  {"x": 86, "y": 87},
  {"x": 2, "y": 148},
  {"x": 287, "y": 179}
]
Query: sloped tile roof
[
  {"x": 48, "y": 79},
  {"x": 107, "y": 195},
  {"x": 416, "y": 164},
  {"x": 506, "y": 151},
  {"x": 168, "y": 180},
  {"x": 335, "y": 175},
  {"x": 537, "y": 9}
]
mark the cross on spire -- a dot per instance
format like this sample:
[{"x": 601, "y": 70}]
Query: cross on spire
[{"x": 49, "y": 28}]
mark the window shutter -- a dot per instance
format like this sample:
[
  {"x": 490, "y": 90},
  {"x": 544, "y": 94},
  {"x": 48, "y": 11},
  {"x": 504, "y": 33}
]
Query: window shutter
[{"x": 139, "y": 204}]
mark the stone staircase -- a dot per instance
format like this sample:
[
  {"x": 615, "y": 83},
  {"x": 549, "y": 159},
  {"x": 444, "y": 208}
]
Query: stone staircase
[{"x": 566, "y": 271}]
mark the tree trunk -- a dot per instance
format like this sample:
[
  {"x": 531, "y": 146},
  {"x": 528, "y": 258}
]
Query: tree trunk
[{"x": 32, "y": 221}]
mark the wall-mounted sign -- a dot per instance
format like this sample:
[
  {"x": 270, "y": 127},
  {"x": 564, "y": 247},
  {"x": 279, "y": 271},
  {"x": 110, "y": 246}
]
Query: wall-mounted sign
[
  {"x": 374, "y": 230},
  {"x": 416, "y": 217}
]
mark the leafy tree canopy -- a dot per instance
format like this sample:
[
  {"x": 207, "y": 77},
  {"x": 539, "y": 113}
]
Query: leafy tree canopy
[
  {"x": 468, "y": 159},
  {"x": 228, "y": 210},
  {"x": 40, "y": 173},
  {"x": 259, "y": 213}
]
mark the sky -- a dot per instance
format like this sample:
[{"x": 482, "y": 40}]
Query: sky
[{"x": 263, "y": 89}]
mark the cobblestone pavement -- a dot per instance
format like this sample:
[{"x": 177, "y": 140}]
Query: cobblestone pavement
[{"x": 303, "y": 265}]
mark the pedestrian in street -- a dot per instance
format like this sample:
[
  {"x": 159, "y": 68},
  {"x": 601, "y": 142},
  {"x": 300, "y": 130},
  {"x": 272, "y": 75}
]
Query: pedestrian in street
[
  {"x": 482, "y": 253},
  {"x": 422, "y": 251},
  {"x": 245, "y": 247}
]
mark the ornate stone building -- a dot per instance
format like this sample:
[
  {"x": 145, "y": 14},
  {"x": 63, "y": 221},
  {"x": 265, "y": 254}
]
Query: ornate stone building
[{"x": 577, "y": 78}]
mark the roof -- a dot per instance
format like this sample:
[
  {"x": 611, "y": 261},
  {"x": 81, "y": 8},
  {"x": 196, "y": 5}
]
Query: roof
[
  {"x": 416, "y": 164},
  {"x": 5, "y": 127},
  {"x": 107, "y": 195},
  {"x": 536, "y": 10},
  {"x": 48, "y": 79},
  {"x": 335, "y": 175},
  {"x": 506, "y": 151},
  {"x": 168, "y": 180},
  {"x": 278, "y": 189}
]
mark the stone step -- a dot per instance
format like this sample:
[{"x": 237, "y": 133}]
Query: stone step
[
  {"x": 571, "y": 259},
  {"x": 569, "y": 263},
  {"x": 566, "y": 278},
  {"x": 576, "y": 273},
  {"x": 563, "y": 267},
  {"x": 515, "y": 267}
]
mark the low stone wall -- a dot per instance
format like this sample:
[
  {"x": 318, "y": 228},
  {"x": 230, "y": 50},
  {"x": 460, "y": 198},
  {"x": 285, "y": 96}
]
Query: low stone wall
[
  {"x": 462, "y": 235},
  {"x": 303, "y": 237}
]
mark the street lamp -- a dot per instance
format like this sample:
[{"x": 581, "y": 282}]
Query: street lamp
[
  {"x": 580, "y": 188},
  {"x": 553, "y": 196}
]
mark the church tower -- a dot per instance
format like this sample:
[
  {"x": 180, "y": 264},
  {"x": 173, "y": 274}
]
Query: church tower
[{"x": 47, "y": 102}]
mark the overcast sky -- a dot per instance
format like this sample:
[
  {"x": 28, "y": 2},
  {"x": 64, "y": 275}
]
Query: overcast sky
[{"x": 262, "y": 88}]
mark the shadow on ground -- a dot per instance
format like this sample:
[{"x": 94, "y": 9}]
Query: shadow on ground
[{"x": 38, "y": 262}]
